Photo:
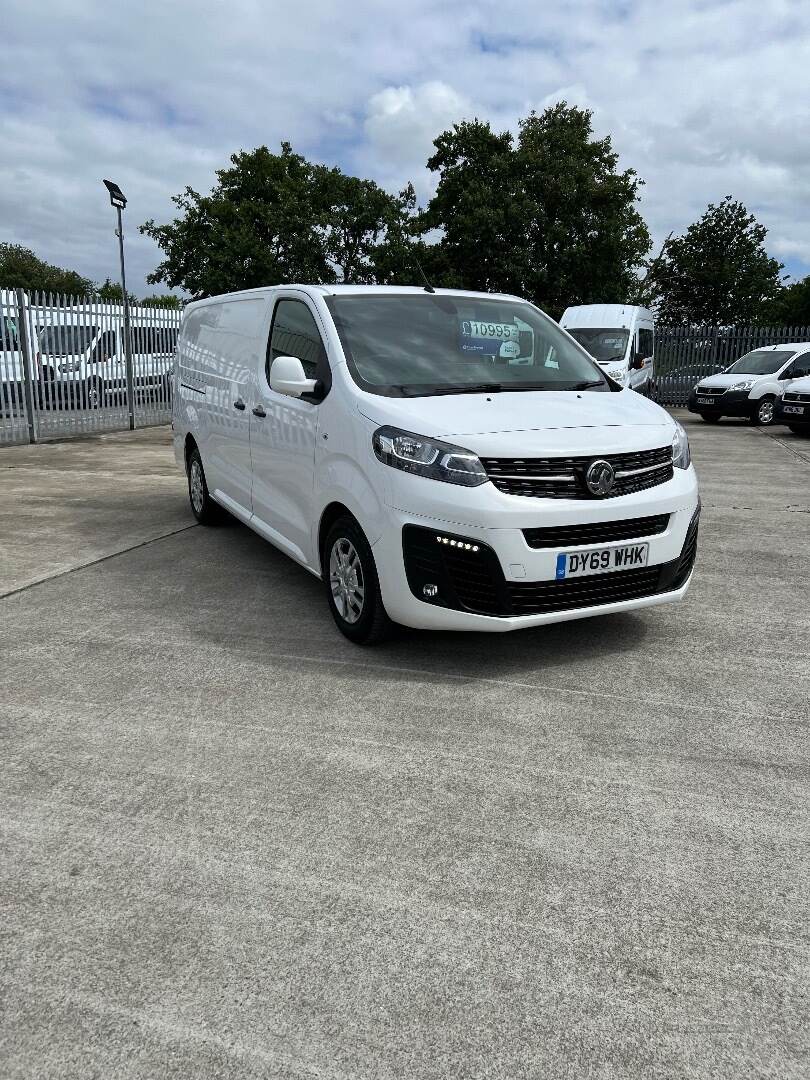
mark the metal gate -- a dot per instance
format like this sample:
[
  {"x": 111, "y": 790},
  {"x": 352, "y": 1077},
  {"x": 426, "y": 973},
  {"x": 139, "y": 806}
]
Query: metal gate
[{"x": 63, "y": 368}]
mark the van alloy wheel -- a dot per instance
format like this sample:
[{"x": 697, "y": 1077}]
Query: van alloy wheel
[
  {"x": 195, "y": 486},
  {"x": 765, "y": 411},
  {"x": 346, "y": 580}
]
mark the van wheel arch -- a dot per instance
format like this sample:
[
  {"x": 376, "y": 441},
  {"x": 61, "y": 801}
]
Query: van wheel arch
[
  {"x": 332, "y": 513},
  {"x": 190, "y": 444}
]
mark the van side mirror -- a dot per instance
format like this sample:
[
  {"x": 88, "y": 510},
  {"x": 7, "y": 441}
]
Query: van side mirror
[
  {"x": 638, "y": 362},
  {"x": 287, "y": 377}
]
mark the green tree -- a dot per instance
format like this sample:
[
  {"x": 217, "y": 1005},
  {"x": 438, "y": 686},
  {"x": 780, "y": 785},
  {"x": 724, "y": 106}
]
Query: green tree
[
  {"x": 20, "y": 268},
  {"x": 165, "y": 300},
  {"x": 274, "y": 218},
  {"x": 547, "y": 215},
  {"x": 717, "y": 273},
  {"x": 790, "y": 306},
  {"x": 112, "y": 293}
]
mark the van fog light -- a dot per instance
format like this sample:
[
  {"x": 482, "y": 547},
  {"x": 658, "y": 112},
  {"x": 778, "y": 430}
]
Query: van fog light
[
  {"x": 456, "y": 543},
  {"x": 430, "y": 592}
]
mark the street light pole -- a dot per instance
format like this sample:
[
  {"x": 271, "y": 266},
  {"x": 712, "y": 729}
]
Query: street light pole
[{"x": 118, "y": 200}]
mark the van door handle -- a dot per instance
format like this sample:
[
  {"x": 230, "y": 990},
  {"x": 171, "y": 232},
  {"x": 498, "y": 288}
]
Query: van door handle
[
  {"x": 259, "y": 411},
  {"x": 239, "y": 404}
]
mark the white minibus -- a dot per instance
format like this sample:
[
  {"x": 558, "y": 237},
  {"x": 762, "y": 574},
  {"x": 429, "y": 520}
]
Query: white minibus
[{"x": 440, "y": 459}]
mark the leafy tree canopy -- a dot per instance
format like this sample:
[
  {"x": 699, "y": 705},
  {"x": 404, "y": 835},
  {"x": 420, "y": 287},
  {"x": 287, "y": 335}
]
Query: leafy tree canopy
[
  {"x": 547, "y": 216},
  {"x": 790, "y": 306},
  {"x": 274, "y": 218},
  {"x": 112, "y": 293},
  {"x": 164, "y": 300},
  {"x": 20, "y": 268},
  {"x": 718, "y": 272}
]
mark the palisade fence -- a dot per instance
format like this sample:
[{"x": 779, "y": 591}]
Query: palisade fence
[
  {"x": 65, "y": 368},
  {"x": 686, "y": 354}
]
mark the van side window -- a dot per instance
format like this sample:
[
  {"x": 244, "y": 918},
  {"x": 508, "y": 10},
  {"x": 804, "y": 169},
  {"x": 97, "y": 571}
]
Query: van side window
[
  {"x": 104, "y": 349},
  {"x": 295, "y": 333},
  {"x": 645, "y": 343},
  {"x": 799, "y": 368}
]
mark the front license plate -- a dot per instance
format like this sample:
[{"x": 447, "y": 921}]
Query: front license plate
[
  {"x": 793, "y": 409},
  {"x": 579, "y": 563},
  {"x": 705, "y": 401}
]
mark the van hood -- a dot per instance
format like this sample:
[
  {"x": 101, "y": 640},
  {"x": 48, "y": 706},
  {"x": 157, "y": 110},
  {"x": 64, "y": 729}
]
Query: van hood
[
  {"x": 529, "y": 422},
  {"x": 730, "y": 380}
]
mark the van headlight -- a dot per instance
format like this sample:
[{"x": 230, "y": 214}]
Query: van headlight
[
  {"x": 681, "y": 457},
  {"x": 428, "y": 457},
  {"x": 747, "y": 385}
]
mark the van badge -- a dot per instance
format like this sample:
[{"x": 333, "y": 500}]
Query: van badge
[{"x": 600, "y": 478}]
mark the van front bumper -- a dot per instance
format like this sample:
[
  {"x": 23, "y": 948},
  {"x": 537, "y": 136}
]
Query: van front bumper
[
  {"x": 441, "y": 575},
  {"x": 731, "y": 403}
]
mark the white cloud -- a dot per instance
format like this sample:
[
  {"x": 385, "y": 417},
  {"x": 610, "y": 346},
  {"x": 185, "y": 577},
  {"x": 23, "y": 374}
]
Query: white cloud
[{"x": 702, "y": 99}]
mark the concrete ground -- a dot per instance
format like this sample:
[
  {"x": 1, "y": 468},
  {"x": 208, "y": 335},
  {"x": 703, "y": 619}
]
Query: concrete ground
[{"x": 235, "y": 845}]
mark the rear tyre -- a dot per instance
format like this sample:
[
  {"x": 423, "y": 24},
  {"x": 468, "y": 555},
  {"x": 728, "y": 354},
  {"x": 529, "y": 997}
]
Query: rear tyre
[
  {"x": 763, "y": 412},
  {"x": 710, "y": 418},
  {"x": 203, "y": 507},
  {"x": 352, "y": 586}
]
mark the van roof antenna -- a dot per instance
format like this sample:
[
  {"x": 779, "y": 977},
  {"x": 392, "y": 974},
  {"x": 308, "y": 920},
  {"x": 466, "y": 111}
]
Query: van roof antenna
[{"x": 428, "y": 287}]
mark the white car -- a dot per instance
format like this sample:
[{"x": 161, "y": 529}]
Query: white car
[
  {"x": 793, "y": 408},
  {"x": 441, "y": 459},
  {"x": 751, "y": 386}
]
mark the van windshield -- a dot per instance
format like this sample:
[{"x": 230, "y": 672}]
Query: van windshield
[
  {"x": 602, "y": 342},
  {"x": 434, "y": 343},
  {"x": 760, "y": 362},
  {"x": 69, "y": 340}
]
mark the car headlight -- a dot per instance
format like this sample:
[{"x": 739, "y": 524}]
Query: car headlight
[
  {"x": 681, "y": 457},
  {"x": 617, "y": 374},
  {"x": 747, "y": 385},
  {"x": 70, "y": 365},
  {"x": 428, "y": 457}
]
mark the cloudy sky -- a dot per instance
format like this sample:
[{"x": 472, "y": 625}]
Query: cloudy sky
[{"x": 703, "y": 98}]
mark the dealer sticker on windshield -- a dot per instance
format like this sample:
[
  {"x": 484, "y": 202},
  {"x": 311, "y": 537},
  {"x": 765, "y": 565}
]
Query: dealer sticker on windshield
[{"x": 602, "y": 561}]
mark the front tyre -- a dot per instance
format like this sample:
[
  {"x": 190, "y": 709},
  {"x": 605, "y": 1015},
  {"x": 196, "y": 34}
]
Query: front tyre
[
  {"x": 710, "y": 418},
  {"x": 764, "y": 412},
  {"x": 95, "y": 393},
  {"x": 203, "y": 507},
  {"x": 352, "y": 586}
]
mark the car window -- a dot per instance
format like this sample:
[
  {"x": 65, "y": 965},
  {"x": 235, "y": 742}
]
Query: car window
[
  {"x": 295, "y": 333},
  {"x": 645, "y": 343},
  {"x": 8, "y": 335},
  {"x": 104, "y": 348}
]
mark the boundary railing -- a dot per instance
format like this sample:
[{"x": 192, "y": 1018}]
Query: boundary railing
[{"x": 63, "y": 368}]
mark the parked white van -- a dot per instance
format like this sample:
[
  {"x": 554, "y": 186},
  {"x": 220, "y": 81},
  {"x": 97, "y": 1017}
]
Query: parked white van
[
  {"x": 752, "y": 385},
  {"x": 11, "y": 354},
  {"x": 82, "y": 350},
  {"x": 441, "y": 459},
  {"x": 620, "y": 337}
]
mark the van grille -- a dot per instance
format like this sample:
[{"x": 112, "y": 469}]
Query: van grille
[
  {"x": 794, "y": 396},
  {"x": 564, "y": 477},
  {"x": 596, "y": 532}
]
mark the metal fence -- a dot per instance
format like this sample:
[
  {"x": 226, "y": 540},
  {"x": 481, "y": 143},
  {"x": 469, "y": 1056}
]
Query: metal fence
[
  {"x": 686, "y": 354},
  {"x": 64, "y": 371},
  {"x": 63, "y": 368}
]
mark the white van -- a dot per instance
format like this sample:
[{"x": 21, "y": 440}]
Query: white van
[
  {"x": 11, "y": 355},
  {"x": 435, "y": 463},
  {"x": 83, "y": 350},
  {"x": 620, "y": 337},
  {"x": 752, "y": 385}
]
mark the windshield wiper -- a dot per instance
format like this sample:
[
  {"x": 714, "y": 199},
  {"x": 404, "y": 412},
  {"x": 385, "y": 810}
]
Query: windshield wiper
[
  {"x": 585, "y": 385},
  {"x": 468, "y": 388}
]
